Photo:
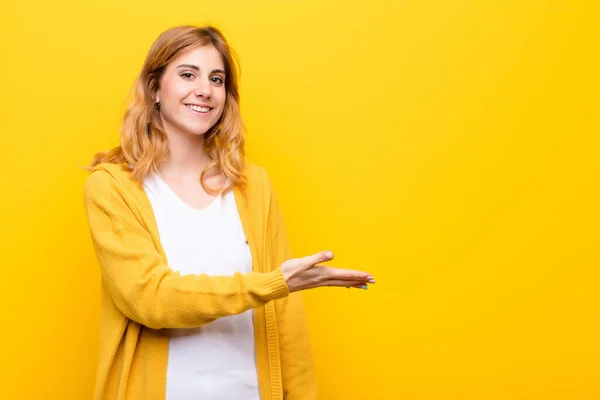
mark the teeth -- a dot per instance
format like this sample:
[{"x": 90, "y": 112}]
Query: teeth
[{"x": 198, "y": 108}]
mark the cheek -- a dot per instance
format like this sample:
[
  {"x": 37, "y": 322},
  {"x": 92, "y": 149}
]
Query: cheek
[
  {"x": 174, "y": 90},
  {"x": 222, "y": 98},
  {"x": 177, "y": 93}
]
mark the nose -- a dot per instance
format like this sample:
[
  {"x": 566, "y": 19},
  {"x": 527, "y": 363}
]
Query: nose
[{"x": 203, "y": 88}]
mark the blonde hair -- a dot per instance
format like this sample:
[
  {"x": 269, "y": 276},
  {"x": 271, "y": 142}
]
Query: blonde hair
[{"x": 143, "y": 142}]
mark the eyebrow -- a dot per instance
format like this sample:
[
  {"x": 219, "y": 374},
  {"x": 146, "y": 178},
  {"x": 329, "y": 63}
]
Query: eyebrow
[{"x": 195, "y": 67}]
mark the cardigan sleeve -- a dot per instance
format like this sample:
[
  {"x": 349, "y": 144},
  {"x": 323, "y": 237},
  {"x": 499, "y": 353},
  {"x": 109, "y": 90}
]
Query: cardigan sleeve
[
  {"x": 299, "y": 381},
  {"x": 143, "y": 287}
]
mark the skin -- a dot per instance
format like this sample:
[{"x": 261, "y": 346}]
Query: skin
[{"x": 197, "y": 77}]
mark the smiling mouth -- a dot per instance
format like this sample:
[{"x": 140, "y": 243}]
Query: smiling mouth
[{"x": 198, "y": 109}]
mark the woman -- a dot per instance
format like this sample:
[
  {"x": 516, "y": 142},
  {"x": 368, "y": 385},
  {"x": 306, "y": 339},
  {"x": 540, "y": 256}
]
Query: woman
[{"x": 223, "y": 318}]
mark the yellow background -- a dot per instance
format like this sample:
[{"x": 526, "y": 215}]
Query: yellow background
[{"x": 449, "y": 147}]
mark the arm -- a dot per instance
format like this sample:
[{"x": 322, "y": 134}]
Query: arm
[
  {"x": 140, "y": 283},
  {"x": 299, "y": 382}
]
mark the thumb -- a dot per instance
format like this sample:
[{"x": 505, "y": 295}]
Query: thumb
[{"x": 318, "y": 258}]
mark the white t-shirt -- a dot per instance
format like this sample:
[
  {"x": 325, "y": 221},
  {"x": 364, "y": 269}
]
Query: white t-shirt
[{"x": 215, "y": 361}]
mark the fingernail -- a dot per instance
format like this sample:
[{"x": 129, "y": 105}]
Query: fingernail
[
  {"x": 364, "y": 287},
  {"x": 329, "y": 254}
]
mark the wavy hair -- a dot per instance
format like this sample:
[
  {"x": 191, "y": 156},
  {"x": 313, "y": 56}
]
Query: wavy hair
[{"x": 143, "y": 142}]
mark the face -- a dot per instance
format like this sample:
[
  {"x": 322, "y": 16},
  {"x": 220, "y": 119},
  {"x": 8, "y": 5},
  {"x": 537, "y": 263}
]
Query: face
[{"x": 192, "y": 92}]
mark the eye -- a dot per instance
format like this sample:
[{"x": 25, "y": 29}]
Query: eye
[
  {"x": 217, "y": 79},
  {"x": 187, "y": 75}
]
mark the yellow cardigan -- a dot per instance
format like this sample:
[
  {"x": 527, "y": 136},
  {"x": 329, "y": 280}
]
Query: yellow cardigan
[{"x": 141, "y": 295}]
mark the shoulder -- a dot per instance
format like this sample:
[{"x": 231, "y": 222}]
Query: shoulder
[
  {"x": 105, "y": 179},
  {"x": 257, "y": 177},
  {"x": 258, "y": 193},
  {"x": 255, "y": 172}
]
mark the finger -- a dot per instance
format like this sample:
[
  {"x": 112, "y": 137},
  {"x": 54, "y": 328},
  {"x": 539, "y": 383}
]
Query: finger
[
  {"x": 329, "y": 273},
  {"x": 358, "y": 285},
  {"x": 322, "y": 256}
]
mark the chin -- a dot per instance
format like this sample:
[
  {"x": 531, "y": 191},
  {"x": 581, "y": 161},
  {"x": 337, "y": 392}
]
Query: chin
[{"x": 198, "y": 131}]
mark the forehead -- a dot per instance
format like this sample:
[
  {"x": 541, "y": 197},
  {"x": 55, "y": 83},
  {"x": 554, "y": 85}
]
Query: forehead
[{"x": 206, "y": 57}]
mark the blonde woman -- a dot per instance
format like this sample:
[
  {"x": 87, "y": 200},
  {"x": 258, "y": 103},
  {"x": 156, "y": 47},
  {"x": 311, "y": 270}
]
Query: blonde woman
[{"x": 201, "y": 298}]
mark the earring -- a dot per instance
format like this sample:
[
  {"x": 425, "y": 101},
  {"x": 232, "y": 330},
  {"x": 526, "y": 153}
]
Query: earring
[{"x": 157, "y": 105}]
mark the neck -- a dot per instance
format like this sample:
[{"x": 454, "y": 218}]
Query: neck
[{"x": 187, "y": 157}]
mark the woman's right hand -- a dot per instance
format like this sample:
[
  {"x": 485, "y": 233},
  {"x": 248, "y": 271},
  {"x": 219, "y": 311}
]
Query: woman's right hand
[{"x": 304, "y": 273}]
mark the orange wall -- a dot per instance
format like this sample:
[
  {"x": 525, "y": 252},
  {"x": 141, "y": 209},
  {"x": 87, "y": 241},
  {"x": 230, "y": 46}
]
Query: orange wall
[{"x": 449, "y": 147}]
